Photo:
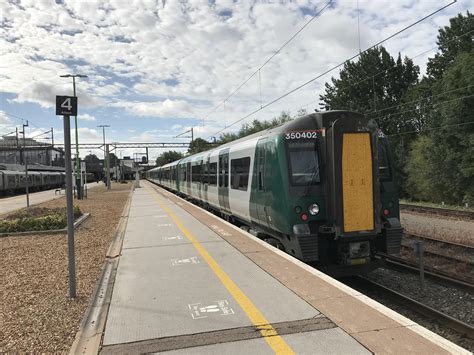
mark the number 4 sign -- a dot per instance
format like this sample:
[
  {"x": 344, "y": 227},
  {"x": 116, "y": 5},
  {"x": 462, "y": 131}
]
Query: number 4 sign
[{"x": 66, "y": 105}]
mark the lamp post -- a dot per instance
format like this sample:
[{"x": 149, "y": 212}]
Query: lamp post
[
  {"x": 103, "y": 126},
  {"x": 78, "y": 159}
]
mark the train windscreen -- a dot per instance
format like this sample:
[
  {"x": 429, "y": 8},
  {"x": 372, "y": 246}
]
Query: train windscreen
[{"x": 304, "y": 162}]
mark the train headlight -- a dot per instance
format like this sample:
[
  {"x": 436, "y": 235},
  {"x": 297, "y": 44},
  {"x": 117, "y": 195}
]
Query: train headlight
[{"x": 313, "y": 209}]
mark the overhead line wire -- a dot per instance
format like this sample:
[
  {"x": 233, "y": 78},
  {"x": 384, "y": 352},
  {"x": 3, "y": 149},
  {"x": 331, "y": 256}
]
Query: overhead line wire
[
  {"x": 333, "y": 68},
  {"x": 432, "y": 105},
  {"x": 388, "y": 69},
  {"x": 268, "y": 60},
  {"x": 430, "y": 129}
]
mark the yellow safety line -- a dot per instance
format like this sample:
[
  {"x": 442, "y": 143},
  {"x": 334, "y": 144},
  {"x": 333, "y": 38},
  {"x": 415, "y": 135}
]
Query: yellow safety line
[{"x": 269, "y": 333}]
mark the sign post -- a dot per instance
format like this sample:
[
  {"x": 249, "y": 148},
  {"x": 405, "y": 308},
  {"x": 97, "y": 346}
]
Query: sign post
[{"x": 67, "y": 106}]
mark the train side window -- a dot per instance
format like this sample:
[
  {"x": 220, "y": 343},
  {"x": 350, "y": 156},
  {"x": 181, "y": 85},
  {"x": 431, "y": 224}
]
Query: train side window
[
  {"x": 226, "y": 171},
  {"x": 213, "y": 174},
  {"x": 239, "y": 170},
  {"x": 221, "y": 172}
]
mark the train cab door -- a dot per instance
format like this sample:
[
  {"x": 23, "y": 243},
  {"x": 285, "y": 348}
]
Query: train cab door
[
  {"x": 223, "y": 182},
  {"x": 260, "y": 200}
]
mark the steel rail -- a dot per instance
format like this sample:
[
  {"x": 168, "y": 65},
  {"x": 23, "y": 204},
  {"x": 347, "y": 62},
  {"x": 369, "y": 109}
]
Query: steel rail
[
  {"x": 443, "y": 277},
  {"x": 437, "y": 240},
  {"x": 450, "y": 322},
  {"x": 437, "y": 210},
  {"x": 435, "y": 254}
]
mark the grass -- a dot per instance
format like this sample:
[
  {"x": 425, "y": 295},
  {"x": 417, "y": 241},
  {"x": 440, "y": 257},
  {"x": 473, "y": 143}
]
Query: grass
[{"x": 36, "y": 219}]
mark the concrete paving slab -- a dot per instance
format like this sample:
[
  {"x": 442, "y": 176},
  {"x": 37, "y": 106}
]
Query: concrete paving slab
[
  {"x": 153, "y": 298},
  {"x": 324, "y": 342},
  {"x": 275, "y": 301}
]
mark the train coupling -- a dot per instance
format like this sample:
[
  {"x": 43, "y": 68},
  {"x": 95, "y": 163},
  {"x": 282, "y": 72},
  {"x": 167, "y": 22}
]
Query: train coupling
[{"x": 354, "y": 253}]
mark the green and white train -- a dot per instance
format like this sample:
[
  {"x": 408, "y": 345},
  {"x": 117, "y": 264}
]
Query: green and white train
[{"x": 319, "y": 187}]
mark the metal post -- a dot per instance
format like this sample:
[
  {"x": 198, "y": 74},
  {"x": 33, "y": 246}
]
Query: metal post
[
  {"x": 26, "y": 167},
  {"x": 108, "y": 166},
  {"x": 70, "y": 212}
]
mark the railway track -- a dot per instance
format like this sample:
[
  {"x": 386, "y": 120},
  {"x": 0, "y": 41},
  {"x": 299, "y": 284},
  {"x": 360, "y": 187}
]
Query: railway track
[
  {"x": 464, "y": 329},
  {"x": 443, "y": 277},
  {"x": 451, "y": 252},
  {"x": 437, "y": 210},
  {"x": 437, "y": 240}
]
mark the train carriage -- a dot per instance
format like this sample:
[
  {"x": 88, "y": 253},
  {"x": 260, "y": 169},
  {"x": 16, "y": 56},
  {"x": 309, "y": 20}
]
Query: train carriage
[{"x": 319, "y": 187}]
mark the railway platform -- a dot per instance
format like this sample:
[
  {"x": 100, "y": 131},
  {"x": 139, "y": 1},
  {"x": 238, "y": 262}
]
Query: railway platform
[
  {"x": 188, "y": 282},
  {"x": 9, "y": 204}
]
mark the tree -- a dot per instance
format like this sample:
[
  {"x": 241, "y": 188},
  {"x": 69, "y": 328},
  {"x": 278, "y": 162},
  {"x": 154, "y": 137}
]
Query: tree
[
  {"x": 453, "y": 131},
  {"x": 420, "y": 184},
  {"x": 198, "y": 145},
  {"x": 114, "y": 160},
  {"x": 374, "y": 85},
  {"x": 168, "y": 157},
  {"x": 93, "y": 165},
  {"x": 257, "y": 126},
  {"x": 452, "y": 40}
]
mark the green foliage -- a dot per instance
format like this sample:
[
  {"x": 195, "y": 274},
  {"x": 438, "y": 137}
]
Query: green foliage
[
  {"x": 168, "y": 157},
  {"x": 419, "y": 169},
  {"x": 37, "y": 219},
  {"x": 449, "y": 46},
  {"x": 453, "y": 131},
  {"x": 257, "y": 126},
  {"x": 374, "y": 85},
  {"x": 198, "y": 145}
]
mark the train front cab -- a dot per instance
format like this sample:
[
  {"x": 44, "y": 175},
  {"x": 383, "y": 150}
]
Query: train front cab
[{"x": 347, "y": 212}]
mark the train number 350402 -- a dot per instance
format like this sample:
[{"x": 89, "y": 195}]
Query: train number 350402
[{"x": 301, "y": 135}]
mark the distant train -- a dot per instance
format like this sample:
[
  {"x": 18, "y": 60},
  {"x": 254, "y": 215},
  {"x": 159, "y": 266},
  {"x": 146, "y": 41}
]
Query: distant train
[
  {"x": 320, "y": 187},
  {"x": 12, "y": 182}
]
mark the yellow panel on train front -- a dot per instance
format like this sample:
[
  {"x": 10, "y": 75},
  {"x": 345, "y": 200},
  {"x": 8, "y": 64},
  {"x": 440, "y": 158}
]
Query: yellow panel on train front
[{"x": 357, "y": 184}]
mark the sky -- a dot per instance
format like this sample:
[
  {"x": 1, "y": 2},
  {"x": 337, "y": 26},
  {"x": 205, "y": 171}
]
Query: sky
[{"x": 156, "y": 68}]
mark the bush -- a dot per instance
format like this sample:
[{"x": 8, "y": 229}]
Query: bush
[{"x": 37, "y": 219}]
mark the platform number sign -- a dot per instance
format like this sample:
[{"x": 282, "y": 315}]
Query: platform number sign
[{"x": 66, "y": 105}]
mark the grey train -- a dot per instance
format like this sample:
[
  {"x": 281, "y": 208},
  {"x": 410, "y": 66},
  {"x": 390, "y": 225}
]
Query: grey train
[{"x": 12, "y": 182}]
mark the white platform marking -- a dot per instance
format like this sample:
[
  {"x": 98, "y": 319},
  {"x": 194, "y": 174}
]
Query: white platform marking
[
  {"x": 177, "y": 237},
  {"x": 161, "y": 216},
  {"x": 164, "y": 225},
  {"x": 220, "y": 308},
  {"x": 220, "y": 231},
  {"x": 191, "y": 260}
]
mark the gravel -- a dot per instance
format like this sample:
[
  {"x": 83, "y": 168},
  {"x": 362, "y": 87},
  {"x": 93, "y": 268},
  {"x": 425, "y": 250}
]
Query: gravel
[
  {"x": 449, "y": 300},
  {"x": 441, "y": 227},
  {"x": 36, "y": 313},
  {"x": 452, "y": 301}
]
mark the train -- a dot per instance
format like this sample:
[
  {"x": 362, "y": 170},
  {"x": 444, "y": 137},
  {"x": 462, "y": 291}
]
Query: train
[
  {"x": 320, "y": 187},
  {"x": 12, "y": 182}
]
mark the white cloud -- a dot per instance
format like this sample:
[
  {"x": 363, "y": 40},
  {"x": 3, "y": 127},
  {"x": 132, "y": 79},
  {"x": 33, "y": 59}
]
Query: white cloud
[
  {"x": 4, "y": 120},
  {"x": 86, "y": 117},
  {"x": 166, "y": 108},
  {"x": 178, "y": 59}
]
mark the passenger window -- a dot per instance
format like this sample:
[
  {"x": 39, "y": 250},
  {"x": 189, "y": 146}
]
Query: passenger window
[
  {"x": 213, "y": 174},
  {"x": 240, "y": 173}
]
